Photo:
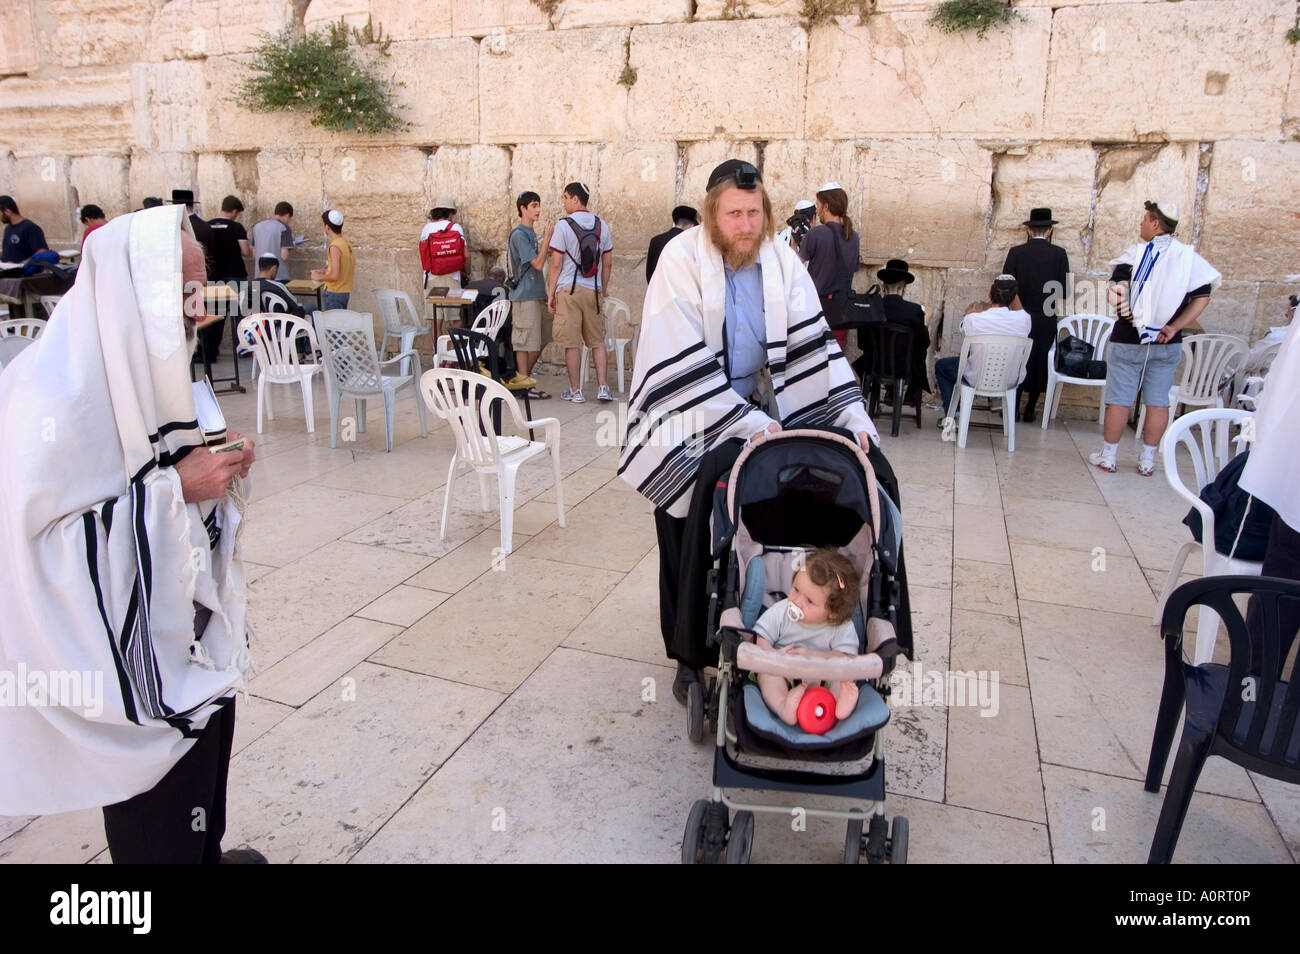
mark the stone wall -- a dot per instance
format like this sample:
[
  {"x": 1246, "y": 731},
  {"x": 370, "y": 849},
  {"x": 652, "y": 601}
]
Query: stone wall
[{"x": 943, "y": 141}]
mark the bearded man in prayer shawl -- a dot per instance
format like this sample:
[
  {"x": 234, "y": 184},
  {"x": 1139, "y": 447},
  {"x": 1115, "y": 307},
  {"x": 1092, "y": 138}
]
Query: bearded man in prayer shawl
[
  {"x": 123, "y": 636},
  {"x": 733, "y": 343}
]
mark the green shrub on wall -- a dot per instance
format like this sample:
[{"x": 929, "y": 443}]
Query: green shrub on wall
[
  {"x": 954, "y": 16},
  {"x": 322, "y": 74}
]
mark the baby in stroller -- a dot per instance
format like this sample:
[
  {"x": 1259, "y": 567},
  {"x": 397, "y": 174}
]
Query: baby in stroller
[{"x": 814, "y": 621}]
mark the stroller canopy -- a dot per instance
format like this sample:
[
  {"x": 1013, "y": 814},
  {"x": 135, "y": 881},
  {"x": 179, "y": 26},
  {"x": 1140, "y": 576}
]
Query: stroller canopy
[{"x": 797, "y": 488}]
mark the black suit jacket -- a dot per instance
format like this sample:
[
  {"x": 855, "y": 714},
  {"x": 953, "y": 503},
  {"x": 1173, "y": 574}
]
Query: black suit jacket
[
  {"x": 656, "y": 246},
  {"x": 909, "y": 313},
  {"x": 203, "y": 232},
  {"x": 1036, "y": 265}
]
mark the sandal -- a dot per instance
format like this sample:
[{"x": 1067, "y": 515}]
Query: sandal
[{"x": 537, "y": 394}]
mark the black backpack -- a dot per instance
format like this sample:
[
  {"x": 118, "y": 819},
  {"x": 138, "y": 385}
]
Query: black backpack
[{"x": 588, "y": 257}]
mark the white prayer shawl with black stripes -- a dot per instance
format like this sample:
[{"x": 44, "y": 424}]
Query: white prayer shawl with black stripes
[
  {"x": 682, "y": 404},
  {"x": 104, "y": 564}
]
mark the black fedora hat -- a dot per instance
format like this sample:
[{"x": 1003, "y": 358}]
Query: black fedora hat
[
  {"x": 895, "y": 271},
  {"x": 1038, "y": 218}
]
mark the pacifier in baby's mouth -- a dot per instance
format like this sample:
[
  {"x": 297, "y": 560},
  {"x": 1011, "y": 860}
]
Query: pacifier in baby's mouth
[{"x": 793, "y": 613}]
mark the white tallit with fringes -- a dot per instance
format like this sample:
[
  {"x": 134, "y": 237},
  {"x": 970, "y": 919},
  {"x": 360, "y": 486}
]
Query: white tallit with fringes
[
  {"x": 1165, "y": 271},
  {"x": 682, "y": 405},
  {"x": 102, "y": 563}
]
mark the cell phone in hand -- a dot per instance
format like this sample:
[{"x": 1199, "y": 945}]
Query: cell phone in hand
[{"x": 237, "y": 445}]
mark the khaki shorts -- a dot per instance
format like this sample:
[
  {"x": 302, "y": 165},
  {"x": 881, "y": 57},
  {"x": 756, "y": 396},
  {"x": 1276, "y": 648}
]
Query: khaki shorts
[
  {"x": 526, "y": 319},
  {"x": 577, "y": 320}
]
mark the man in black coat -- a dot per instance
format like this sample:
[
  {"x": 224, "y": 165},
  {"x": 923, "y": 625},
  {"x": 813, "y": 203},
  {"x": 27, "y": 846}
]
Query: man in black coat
[
  {"x": 894, "y": 279},
  {"x": 1041, "y": 269},
  {"x": 684, "y": 217}
]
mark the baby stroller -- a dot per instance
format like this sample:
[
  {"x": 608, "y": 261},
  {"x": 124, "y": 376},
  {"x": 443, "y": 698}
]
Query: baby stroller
[{"x": 788, "y": 492}]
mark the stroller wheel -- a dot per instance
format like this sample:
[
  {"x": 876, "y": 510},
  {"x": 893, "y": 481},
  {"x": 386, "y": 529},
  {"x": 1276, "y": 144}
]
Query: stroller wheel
[
  {"x": 695, "y": 711},
  {"x": 741, "y": 839},
  {"x": 853, "y": 843},
  {"x": 877, "y": 839},
  {"x": 898, "y": 841},
  {"x": 693, "y": 838}
]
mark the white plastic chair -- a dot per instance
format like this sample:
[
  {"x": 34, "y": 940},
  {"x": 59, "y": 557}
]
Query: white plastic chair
[
  {"x": 997, "y": 371},
  {"x": 49, "y": 303},
  {"x": 490, "y": 322},
  {"x": 1254, "y": 374},
  {"x": 613, "y": 309},
  {"x": 17, "y": 334},
  {"x": 274, "y": 337},
  {"x": 353, "y": 369},
  {"x": 1094, "y": 329},
  {"x": 1206, "y": 436},
  {"x": 391, "y": 305},
  {"x": 1209, "y": 361},
  {"x": 465, "y": 400}
]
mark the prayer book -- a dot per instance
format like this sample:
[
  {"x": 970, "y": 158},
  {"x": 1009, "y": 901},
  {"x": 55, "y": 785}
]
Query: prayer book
[{"x": 208, "y": 412}]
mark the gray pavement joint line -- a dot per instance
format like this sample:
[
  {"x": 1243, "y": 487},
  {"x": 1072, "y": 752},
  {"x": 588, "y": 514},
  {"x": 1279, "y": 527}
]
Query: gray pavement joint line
[
  {"x": 1029, "y": 689},
  {"x": 1138, "y": 780}
]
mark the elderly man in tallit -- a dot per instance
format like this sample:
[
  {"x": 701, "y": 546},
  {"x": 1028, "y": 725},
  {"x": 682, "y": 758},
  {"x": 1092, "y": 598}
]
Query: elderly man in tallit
[
  {"x": 732, "y": 343},
  {"x": 122, "y": 583}
]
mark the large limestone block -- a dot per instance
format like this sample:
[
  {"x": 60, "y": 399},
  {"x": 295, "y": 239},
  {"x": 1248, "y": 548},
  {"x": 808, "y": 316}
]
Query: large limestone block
[
  {"x": 744, "y": 9},
  {"x": 898, "y": 75},
  {"x": 700, "y": 160},
  {"x": 94, "y": 114},
  {"x": 1252, "y": 210},
  {"x": 1220, "y": 72},
  {"x": 94, "y": 34},
  {"x": 478, "y": 178},
  {"x": 962, "y": 287},
  {"x": 232, "y": 126},
  {"x": 377, "y": 192},
  {"x": 217, "y": 178},
  {"x": 794, "y": 169},
  {"x": 403, "y": 20},
  {"x": 704, "y": 80},
  {"x": 441, "y": 104},
  {"x": 1273, "y": 308},
  {"x": 892, "y": 6},
  {"x": 558, "y": 85},
  {"x": 546, "y": 168},
  {"x": 44, "y": 194},
  {"x": 169, "y": 106},
  {"x": 1127, "y": 177},
  {"x": 194, "y": 29},
  {"x": 1232, "y": 309},
  {"x": 294, "y": 176},
  {"x": 638, "y": 182},
  {"x": 320, "y": 13},
  {"x": 18, "y": 52},
  {"x": 593, "y": 13},
  {"x": 101, "y": 180},
  {"x": 928, "y": 201},
  {"x": 1057, "y": 175},
  {"x": 157, "y": 173},
  {"x": 481, "y": 17}
]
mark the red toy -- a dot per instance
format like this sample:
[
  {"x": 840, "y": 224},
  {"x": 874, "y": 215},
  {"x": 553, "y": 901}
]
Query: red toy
[{"x": 816, "y": 710}]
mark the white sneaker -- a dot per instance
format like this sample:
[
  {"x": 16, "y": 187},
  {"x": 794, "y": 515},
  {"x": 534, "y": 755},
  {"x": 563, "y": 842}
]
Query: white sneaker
[
  {"x": 1102, "y": 462},
  {"x": 602, "y": 393},
  {"x": 572, "y": 396},
  {"x": 1146, "y": 469}
]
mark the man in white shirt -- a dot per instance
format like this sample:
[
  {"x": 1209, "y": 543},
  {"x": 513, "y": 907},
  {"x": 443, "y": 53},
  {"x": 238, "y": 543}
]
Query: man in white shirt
[
  {"x": 580, "y": 265},
  {"x": 1006, "y": 317}
]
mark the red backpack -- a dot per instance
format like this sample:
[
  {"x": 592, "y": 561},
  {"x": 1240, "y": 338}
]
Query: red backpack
[{"x": 443, "y": 252}]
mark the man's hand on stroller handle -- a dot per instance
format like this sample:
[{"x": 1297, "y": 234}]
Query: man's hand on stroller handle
[{"x": 864, "y": 437}]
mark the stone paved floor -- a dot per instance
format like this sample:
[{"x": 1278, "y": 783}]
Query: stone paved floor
[{"x": 414, "y": 702}]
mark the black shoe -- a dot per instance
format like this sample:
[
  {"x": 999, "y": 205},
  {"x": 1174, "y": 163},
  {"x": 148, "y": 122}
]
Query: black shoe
[
  {"x": 685, "y": 676},
  {"x": 1028, "y": 416},
  {"x": 243, "y": 856}
]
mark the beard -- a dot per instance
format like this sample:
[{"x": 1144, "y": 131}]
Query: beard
[{"x": 740, "y": 251}]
